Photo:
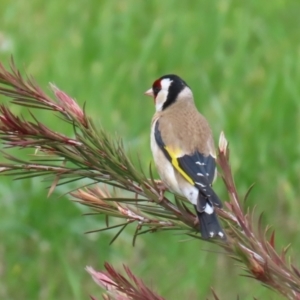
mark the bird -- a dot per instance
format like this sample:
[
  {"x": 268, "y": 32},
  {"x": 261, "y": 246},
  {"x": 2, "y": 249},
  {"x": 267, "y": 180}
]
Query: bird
[{"x": 183, "y": 150}]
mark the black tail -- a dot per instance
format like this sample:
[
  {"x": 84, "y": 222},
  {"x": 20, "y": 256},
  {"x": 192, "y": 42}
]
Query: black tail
[{"x": 209, "y": 224}]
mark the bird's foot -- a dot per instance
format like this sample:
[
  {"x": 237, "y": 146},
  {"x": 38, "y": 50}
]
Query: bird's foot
[
  {"x": 196, "y": 222},
  {"x": 161, "y": 189}
]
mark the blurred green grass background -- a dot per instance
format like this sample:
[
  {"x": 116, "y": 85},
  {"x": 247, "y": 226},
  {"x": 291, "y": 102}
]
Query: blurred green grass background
[{"x": 242, "y": 60}]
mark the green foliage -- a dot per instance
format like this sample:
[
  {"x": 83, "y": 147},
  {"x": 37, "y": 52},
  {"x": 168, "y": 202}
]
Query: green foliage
[{"x": 241, "y": 59}]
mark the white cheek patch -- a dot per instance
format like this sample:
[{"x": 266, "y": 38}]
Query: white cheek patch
[
  {"x": 163, "y": 94},
  {"x": 165, "y": 83},
  {"x": 160, "y": 100}
]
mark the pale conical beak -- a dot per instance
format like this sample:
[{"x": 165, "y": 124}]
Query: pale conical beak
[{"x": 149, "y": 93}]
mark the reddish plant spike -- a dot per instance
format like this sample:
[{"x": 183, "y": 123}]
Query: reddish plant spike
[
  {"x": 282, "y": 255},
  {"x": 296, "y": 271},
  {"x": 228, "y": 205},
  {"x": 274, "y": 255},
  {"x": 272, "y": 239},
  {"x": 284, "y": 252},
  {"x": 257, "y": 270}
]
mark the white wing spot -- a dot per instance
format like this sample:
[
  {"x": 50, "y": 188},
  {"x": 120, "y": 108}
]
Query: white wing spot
[
  {"x": 200, "y": 174},
  {"x": 208, "y": 209},
  {"x": 203, "y": 185},
  {"x": 200, "y": 163}
]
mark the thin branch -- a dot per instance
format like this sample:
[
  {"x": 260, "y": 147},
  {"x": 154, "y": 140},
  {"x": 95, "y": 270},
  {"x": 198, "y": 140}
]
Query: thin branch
[{"x": 96, "y": 155}]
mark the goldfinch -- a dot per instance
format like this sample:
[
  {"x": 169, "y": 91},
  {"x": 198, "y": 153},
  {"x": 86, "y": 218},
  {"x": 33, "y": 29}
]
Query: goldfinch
[{"x": 183, "y": 150}]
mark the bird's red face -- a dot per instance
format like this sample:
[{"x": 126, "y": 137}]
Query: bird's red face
[
  {"x": 160, "y": 90},
  {"x": 156, "y": 87}
]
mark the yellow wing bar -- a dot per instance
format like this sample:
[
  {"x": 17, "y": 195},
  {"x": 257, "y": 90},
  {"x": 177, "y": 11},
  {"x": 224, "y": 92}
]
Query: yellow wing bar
[{"x": 175, "y": 164}]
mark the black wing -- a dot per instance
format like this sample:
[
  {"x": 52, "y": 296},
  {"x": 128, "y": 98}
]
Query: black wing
[{"x": 197, "y": 169}]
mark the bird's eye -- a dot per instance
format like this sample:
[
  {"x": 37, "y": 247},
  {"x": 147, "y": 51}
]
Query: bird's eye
[
  {"x": 156, "y": 87},
  {"x": 156, "y": 90}
]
